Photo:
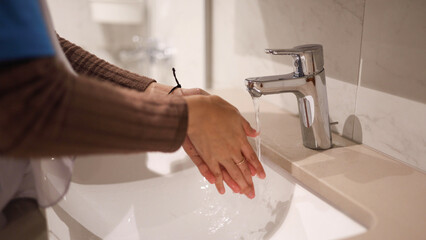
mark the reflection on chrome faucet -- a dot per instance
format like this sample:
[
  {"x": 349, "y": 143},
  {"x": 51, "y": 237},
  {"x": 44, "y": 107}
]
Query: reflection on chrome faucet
[{"x": 308, "y": 83}]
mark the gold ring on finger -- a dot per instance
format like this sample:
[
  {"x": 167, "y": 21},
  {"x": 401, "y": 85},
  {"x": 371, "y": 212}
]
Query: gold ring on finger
[{"x": 241, "y": 162}]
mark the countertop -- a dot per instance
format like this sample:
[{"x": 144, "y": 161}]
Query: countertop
[{"x": 388, "y": 197}]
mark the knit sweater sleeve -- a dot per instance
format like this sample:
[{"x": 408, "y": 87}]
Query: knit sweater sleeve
[
  {"x": 88, "y": 64},
  {"x": 46, "y": 111}
]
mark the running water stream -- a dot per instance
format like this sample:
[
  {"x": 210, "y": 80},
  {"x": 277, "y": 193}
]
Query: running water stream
[{"x": 256, "y": 113}]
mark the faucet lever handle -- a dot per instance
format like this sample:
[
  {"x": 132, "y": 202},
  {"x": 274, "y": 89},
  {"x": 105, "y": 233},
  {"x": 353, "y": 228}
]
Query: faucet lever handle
[
  {"x": 307, "y": 59},
  {"x": 290, "y": 51}
]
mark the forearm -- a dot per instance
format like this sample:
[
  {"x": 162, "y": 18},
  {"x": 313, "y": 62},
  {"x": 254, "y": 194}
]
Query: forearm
[
  {"x": 88, "y": 64},
  {"x": 54, "y": 113}
]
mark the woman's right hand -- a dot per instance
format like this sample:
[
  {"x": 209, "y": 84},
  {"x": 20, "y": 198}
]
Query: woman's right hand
[{"x": 219, "y": 135}]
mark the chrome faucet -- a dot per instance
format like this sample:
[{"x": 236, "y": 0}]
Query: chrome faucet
[{"x": 307, "y": 82}]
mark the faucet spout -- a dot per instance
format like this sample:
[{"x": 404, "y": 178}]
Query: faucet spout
[
  {"x": 310, "y": 90},
  {"x": 258, "y": 86}
]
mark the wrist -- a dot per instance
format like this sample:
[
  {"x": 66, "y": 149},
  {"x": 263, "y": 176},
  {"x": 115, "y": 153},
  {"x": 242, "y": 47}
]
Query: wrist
[{"x": 158, "y": 88}]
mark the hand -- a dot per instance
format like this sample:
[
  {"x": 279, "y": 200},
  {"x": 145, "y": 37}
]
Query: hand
[{"x": 218, "y": 132}]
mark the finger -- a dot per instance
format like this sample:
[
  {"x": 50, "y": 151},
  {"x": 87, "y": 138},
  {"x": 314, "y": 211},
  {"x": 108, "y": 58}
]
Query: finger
[
  {"x": 251, "y": 132},
  {"x": 219, "y": 180},
  {"x": 212, "y": 173},
  {"x": 205, "y": 171},
  {"x": 230, "y": 182},
  {"x": 198, "y": 161},
  {"x": 252, "y": 159},
  {"x": 242, "y": 164},
  {"x": 236, "y": 174},
  {"x": 217, "y": 173},
  {"x": 252, "y": 169}
]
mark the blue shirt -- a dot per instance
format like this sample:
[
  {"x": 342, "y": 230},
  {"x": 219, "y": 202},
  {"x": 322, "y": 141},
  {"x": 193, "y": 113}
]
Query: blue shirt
[{"x": 23, "y": 31}]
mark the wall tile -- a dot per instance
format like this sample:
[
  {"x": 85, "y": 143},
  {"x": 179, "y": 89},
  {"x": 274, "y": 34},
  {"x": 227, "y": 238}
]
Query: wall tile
[
  {"x": 394, "y": 48},
  {"x": 393, "y": 125},
  {"x": 391, "y": 101}
]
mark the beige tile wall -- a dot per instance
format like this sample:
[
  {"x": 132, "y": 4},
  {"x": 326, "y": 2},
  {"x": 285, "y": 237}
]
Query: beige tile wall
[
  {"x": 375, "y": 62},
  {"x": 392, "y": 94}
]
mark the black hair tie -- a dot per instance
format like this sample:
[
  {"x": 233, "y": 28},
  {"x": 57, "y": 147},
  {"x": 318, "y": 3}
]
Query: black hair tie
[{"x": 178, "y": 84}]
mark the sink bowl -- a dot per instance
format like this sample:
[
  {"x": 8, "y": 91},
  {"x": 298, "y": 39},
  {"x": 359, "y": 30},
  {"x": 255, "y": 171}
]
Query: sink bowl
[{"x": 162, "y": 196}]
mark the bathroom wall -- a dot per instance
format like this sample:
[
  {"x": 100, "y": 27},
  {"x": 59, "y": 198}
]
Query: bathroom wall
[
  {"x": 375, "y": 58},
  {"x": 177, "y": 25}
]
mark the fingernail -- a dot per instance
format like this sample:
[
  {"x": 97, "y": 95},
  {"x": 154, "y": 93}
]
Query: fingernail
[
  {"x": 222, "y": 191},
  {"x": 250, "y": 195},
  {"x": 261, "y": 175},
  {"x": 255, "y": 134}
]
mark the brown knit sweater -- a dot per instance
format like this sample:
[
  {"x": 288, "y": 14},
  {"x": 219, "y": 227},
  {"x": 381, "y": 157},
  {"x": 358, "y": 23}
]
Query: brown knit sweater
[{"x": 46, "y": 111}]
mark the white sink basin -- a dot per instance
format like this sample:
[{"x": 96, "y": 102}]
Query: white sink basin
[{"x": 162, "y": 196}]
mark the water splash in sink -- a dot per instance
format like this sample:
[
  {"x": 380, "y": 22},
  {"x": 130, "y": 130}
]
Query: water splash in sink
[{"x": 227, "y": 215}]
